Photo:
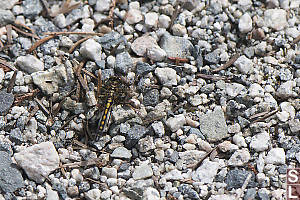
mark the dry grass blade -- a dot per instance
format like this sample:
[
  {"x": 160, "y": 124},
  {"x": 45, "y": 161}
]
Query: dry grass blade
[
  {"x": 175, "y": 14},
  {"x": 73, "y": 33},
  {"x": 46, "y": 6},
  {"x": 20, "y": 25},
  {"x": 25, "y": 33},
  {"x": 12, "y": 82},
  {"x": 195, "y": 166},
  {"x": 228, "y": 64},
  {"x": 111, "y": 14},
  {"x": 32, "y": 113},
  {"x": 265, "y": 116},
  {"x": 66, "y": 7},
  {"x": 40, "y": 42},
  {"x": 78, "y": 42},
  {"x": 83, "y": 163},
  {"x": 6, "y": 65},
  {"x": 44, "y": 109},
  {"x": 9, "y": 36},
  {"x": 212, "y": 77}
]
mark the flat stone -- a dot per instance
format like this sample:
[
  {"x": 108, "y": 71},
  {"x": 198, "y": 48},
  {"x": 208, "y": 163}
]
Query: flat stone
[
  {"x": 239, "y": 158},
  {"x": 38, "y": 161},
  {"x": 275, "y": 18},
  {"x": 109, "y": 172},
  {"x": 167, "y": 76},
  {"x": 235, "y": 179},
  {"x": 213, "y": 125},
  {"x": 175, "y": 123},
  {"x": 10, "y": 177},
  {"x": 142, "y": 172},
  {"x": 276, "y": 156},
  {"x": 93, "y": 194},
  {"x": 6, "y": 17},
  {"x": 6, "y": 101},
  {"x": 176, "y": 46},
  {"x": 151, "y": 19},
  {"x": 91, "y": 50},
  {"x": 260, "y": 142},
  {"x": 206, "y": 172},
  {"x": 121, "y": 152},
  {"x": 173, "y": 175},
  {"x": 49, "y": 81},
  {"x": 141, "y": 44},
  {"x": 30, "y": 64}
]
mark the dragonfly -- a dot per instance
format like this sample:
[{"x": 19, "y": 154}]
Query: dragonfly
[{"x": 113, "y": 91}]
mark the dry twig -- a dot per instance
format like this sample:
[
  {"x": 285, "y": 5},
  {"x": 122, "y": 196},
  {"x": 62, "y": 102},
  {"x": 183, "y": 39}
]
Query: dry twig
[
  {"x": 78, "y": 42},
  {"x": 212, "y": 77},
  {"x": 8, "y": 32},
  {"x": 265, "y": 116},
  {"x": 40, "y": 42},
  {"x": 175, "y": 14},
  {"x": 12, "y": 82},
  {"x": 73, "y": 33},
  {"x": 6, "y": 66},
  {"x": 228, "y": 64},
  {"x": 25, "y": 33},
  {"x": 195, "y": 166},
  {"x": 66, "y": 7}
]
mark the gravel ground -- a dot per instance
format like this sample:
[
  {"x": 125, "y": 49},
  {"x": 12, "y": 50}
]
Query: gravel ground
[{"x": 210, "y": 107}]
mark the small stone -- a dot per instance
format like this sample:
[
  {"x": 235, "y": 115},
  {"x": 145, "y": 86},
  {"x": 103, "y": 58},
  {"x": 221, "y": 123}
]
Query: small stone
[
  {"x": 244, "y": 64},
  {"x": 123, "y": 62},
  {"x": 75, "y": 173},
  {"x": 134, "y": 16},
  {"x": 227, "y": 146},
  {"x": 239, "y": 158},
  {"x": 176, "y": 46},
  {"x": 179, "y": 30},
  {"x": 32, "y": 8},
  {"x": 146, "y": 144},
  {"x": 294, "y": 125},
  {"x": 234, "y": 89},
  {"x": 158, "y": 128},
  {"x": 156, "y": 54},
  {"x": 276, "y": 156},
  {"x": 206, "y": 172},
  {"x": 60, "y": 21},
  {"x": 275, "y": 18},
  {"x": 121, "y": 152},
  {"x": 141, "y": 44},
  {"x": 6, "y": 17},
  {"x": 190, "y": 157},
  {"x": 151, "y": 194},
  {"x": 260, "y": 142},
  {"x": 49, "y": 81},
  {"x": 285, "y": 90},
  {"x": 73, "y": 105},
  {"x": 106, "y": 194},
  {"x": 109, "y": 172},
  {"x": 93, "y": 194},
  {"x": 73, "y": 191},
  {"x": 102, "y": 5},
  {"x": 213, "y": 125},
  {"x": 11, "y": 178},
  {"x": 142, "y": 172},
  {"x": 175, "y": 123},
  {"x": 1, "y": 75},
  {"x": 151, "y": 98},
  {"x": 6, "y": 101},
  {"x": 239, "y": 140},
  {"x": 30, "y": 64},
  {"x": 151, "y": 19},
  {"x": 255, "y": 90},
  {"x": 174, "y": 174},
  {"x": 134, "y": 135},
  {"x": 245, "y": 23},
  {"x": 213, "y": 57},
  {"x": 91, "y": 50},
  {"x": 164, "y": 21},
  {"x": 235, "y": 179},
  {"x": 38, "y": 161},
  {"x": 167, "y": 76}
]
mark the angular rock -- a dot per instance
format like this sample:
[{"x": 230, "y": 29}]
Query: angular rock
[
  {"x": 206, "y": 172},
  {"x": 121, "y": 152},
  {"x": 175, "y": 123},
  {"x": 91, "y": 50},
  {"x": 245, "y": 23},
  {"x": 239, "y": 158},
  {"x": 6, "y": 101},
  {"x": 142, "y": 172},
  {"x": 213, "y": 125},
  {"x": 30, "y": 64},
  {"x": 38, "y": 161},
  {"x": 275, "y": 18},
  {"x": 123, "y": 62},
  {"x": 6, "y": 17},
  {"x": 276, "y": 156},
  {"x": 260, "y": 142},
  {"x": 141, "y": 44},
  {"x": 167, "y": 76}
]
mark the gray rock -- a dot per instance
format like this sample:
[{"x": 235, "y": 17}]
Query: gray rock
[
  {"x": 275, "y": 18},
  {"x": 176, "y": 46},
  {"x": 190, "y": 157},
  {"x": 102, "y": 5},
  {"x": 123, "y": 62},
  {"x": 250, "y": 194},
  {"x": 73, "y": 16},
  {"x": 239, "y": 158},
  {"x": 142, "y": 68},
  {"x": 93, "y": 194},
  {"x": 285, "y": 90},
  {"x": 213, "y": 57},
  {"x": 151, "y": 98},
  {"x": 141, "y": 44},
  {"x": 156, "y": 54},
  {"x": 234, "y": 89},
  {"x": 111, "y": 40},
  {"x": 175, "y": 123},
  {"x": 6, "y": 101},
  {"x": 142, "y": 172},
  {"x": 16, "y": 136},
  {"x": 91, "y": 50},
  {"x": 294, "y": 125},
  {"x": 158, "y": 128},
  {"x": 151, "y": 194},
  {"x": 167, "y": 76},
  {"x": 49, "y": 81},
  {"x": 38, "y": 161},
  {"x": 235, "y": 179},
  {"x": 146, "y": 144},
  {"x": 32, "y": 8},
  {"x": 6, "y": 17},
  {"x": 121, "y": 152},
  {"x": 109, "y": 172},
  {"x": 134, "y": 16},
  {"x": 7, "y": 5},
  {"x": 10, "y": 177},
  {"x": 134, "y": 135},
  {"x": 244, "y": 65},
  {"x": 213, "y": 125},
  {"x": 260, "y": 142},
  {"x": 276, "y": 156},
  {"x": 206, "y": 172},
  {"x": 245, "y": 23},
  {"x": 255, "y": 90},
  {"x": 173, "y": 175},
  {"x": 30, "y": 64}
]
